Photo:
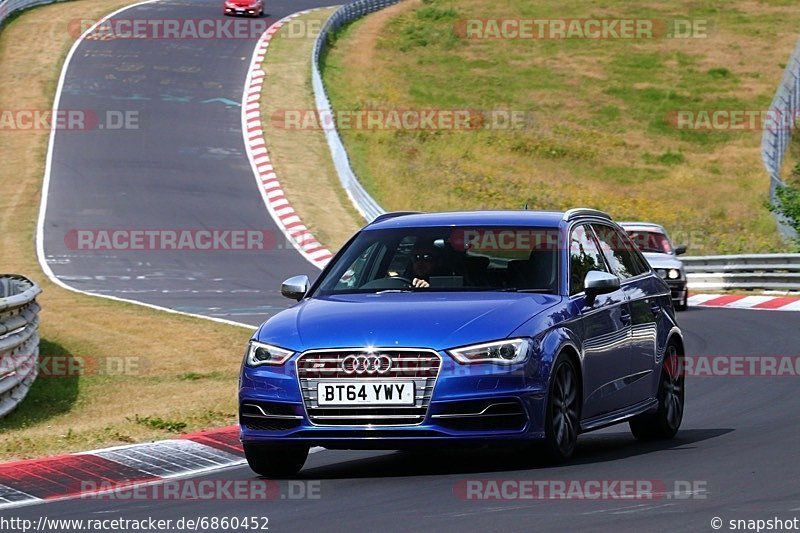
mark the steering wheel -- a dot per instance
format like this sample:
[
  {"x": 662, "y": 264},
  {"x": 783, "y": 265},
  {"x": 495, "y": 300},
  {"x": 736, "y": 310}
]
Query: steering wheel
[
  {"x": 387, "y": 283},
  {"x": 401, "y": 278}
]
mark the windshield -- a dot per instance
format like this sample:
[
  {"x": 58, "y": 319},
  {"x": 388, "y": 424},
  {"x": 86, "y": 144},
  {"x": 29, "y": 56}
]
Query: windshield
[
  {"x": 446, "y": 259},
  {"x": 651, "y": 241}
]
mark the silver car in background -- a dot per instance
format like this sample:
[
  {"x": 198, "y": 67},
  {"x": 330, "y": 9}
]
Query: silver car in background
[{"x": 662, "y": 255}]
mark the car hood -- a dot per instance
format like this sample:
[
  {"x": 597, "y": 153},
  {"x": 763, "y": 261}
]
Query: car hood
[
  {"x": 241, "y": 3},
  {"x": 663, "y": 260},
  {"x": 422, "y": 320}
]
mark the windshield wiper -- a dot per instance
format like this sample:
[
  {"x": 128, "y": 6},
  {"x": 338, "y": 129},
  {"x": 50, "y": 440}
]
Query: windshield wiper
[
  {"x": 514, "y": 289},
  {"x": 393, "y": 290}
]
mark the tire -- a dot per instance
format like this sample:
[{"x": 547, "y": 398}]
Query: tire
[
  {"x": 562, "y": 419},
  {"x": 664, "y": 423},
  {"x": 273, "y": 460}
]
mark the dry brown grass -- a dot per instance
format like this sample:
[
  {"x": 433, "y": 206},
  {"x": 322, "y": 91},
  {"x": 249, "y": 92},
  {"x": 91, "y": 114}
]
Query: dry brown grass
[
  {"x": 186, "y": 367},
  {"x": 301, "y": 158},
  {"x": 618, "y": 161}
]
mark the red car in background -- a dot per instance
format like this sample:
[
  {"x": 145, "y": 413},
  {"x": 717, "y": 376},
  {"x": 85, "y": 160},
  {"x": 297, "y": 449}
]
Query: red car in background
[{"x": 246, "y": 8}]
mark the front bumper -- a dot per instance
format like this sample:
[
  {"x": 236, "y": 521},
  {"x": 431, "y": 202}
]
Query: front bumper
[
  {"x": 469, "y": 404},
  {"x": 237, "y": 12},
  {"x": 678, "y": 290}
]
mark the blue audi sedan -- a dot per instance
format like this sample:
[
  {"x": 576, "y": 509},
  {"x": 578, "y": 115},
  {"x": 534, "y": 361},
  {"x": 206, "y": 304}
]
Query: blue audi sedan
[{"x": 490, "y": 327}]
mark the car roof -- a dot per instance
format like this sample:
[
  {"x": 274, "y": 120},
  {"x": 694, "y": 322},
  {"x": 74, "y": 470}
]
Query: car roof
[
  {"x": 547, "y": 219},
  {"x": 642, "y": 226}
]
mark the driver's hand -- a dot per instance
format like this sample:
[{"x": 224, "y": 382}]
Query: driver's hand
[{"x": 420, "y": 283}]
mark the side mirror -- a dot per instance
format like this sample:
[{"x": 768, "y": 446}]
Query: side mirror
[
  {"x": 295, "y": 288},
  {"x": 680, "y": 250},
  {"x": 597, "y": 283}
]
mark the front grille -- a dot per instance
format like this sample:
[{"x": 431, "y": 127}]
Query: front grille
[{"x": 418, "y": 366}]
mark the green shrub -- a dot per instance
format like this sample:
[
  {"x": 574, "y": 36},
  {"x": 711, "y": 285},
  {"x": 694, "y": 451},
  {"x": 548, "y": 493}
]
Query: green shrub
[{"x": 787, "y": 204}]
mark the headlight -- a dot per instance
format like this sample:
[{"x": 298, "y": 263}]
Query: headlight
[
  {"x": 662, "y": 273},
  {"x": 674, "y": 273},
  {"x": 505, "y": 352},
  {"x": 259, "y": 353}
]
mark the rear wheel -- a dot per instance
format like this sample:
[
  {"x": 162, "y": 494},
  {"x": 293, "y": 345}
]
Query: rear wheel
[
  {"x": 562, "y": 420},
  {"x": 664, "y": 423},
  {"x": 274, "y": 460}
]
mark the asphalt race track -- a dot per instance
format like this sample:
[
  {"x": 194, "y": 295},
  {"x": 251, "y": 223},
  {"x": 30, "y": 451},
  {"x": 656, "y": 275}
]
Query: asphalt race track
[
  {"x": 738, "y": 445},
  {"x": 183, "y": 168},
  {"x": 186, "y": 168}
]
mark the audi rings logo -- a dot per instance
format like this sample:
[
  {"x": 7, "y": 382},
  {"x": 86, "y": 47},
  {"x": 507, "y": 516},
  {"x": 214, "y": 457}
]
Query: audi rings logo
[{"x": 367, "y": 364}]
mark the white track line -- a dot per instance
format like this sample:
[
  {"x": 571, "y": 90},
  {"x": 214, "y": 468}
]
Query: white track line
[{"x": 46, "y": 188}]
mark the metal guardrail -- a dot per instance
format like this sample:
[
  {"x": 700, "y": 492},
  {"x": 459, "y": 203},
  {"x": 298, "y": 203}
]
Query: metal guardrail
[
  {"x": 757, "y": 271},
  {"x": 365, "y": 204},
  {"x": 19, "y": 339},
  {"x": 778, "y": 127},
  {"x": 9, "y": 7}
]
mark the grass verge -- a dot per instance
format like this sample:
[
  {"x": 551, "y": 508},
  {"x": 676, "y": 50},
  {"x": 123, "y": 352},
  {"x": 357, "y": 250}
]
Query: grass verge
[
  {"x": 299, "y": 154},
  {"x": 178, "y": 373},
  {"x": 600, "y": 127}
]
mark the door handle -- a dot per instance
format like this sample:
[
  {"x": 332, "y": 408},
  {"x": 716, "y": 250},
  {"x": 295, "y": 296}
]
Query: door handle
[
  {"x": 625, "y": 318},
  {"x": 655, "y": 308}
]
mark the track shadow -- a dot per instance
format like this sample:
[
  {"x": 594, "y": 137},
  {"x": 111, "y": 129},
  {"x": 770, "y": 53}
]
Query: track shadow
[
  {"x": 592, "y": 449},
  {"x": 53, "y": 393}
]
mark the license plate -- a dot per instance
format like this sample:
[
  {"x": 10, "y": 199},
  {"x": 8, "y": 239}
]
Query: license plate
[{"x": 361, "y": 393}]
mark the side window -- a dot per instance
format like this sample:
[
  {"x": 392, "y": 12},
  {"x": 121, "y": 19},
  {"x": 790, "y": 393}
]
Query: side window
[
  {"x": 584, "y": 255},
  {"x": 619, "y": 251},
  {"x": 641, "y": 263}
]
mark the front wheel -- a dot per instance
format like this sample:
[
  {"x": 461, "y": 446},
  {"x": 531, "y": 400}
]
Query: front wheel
[
  {"x": 274, "y": 460},
  {"x": 562, "y": 421},
  {"x": 664, "y": 423}
]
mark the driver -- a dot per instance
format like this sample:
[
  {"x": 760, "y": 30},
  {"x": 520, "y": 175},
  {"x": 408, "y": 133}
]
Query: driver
[{"x": 425, "y": 261}]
